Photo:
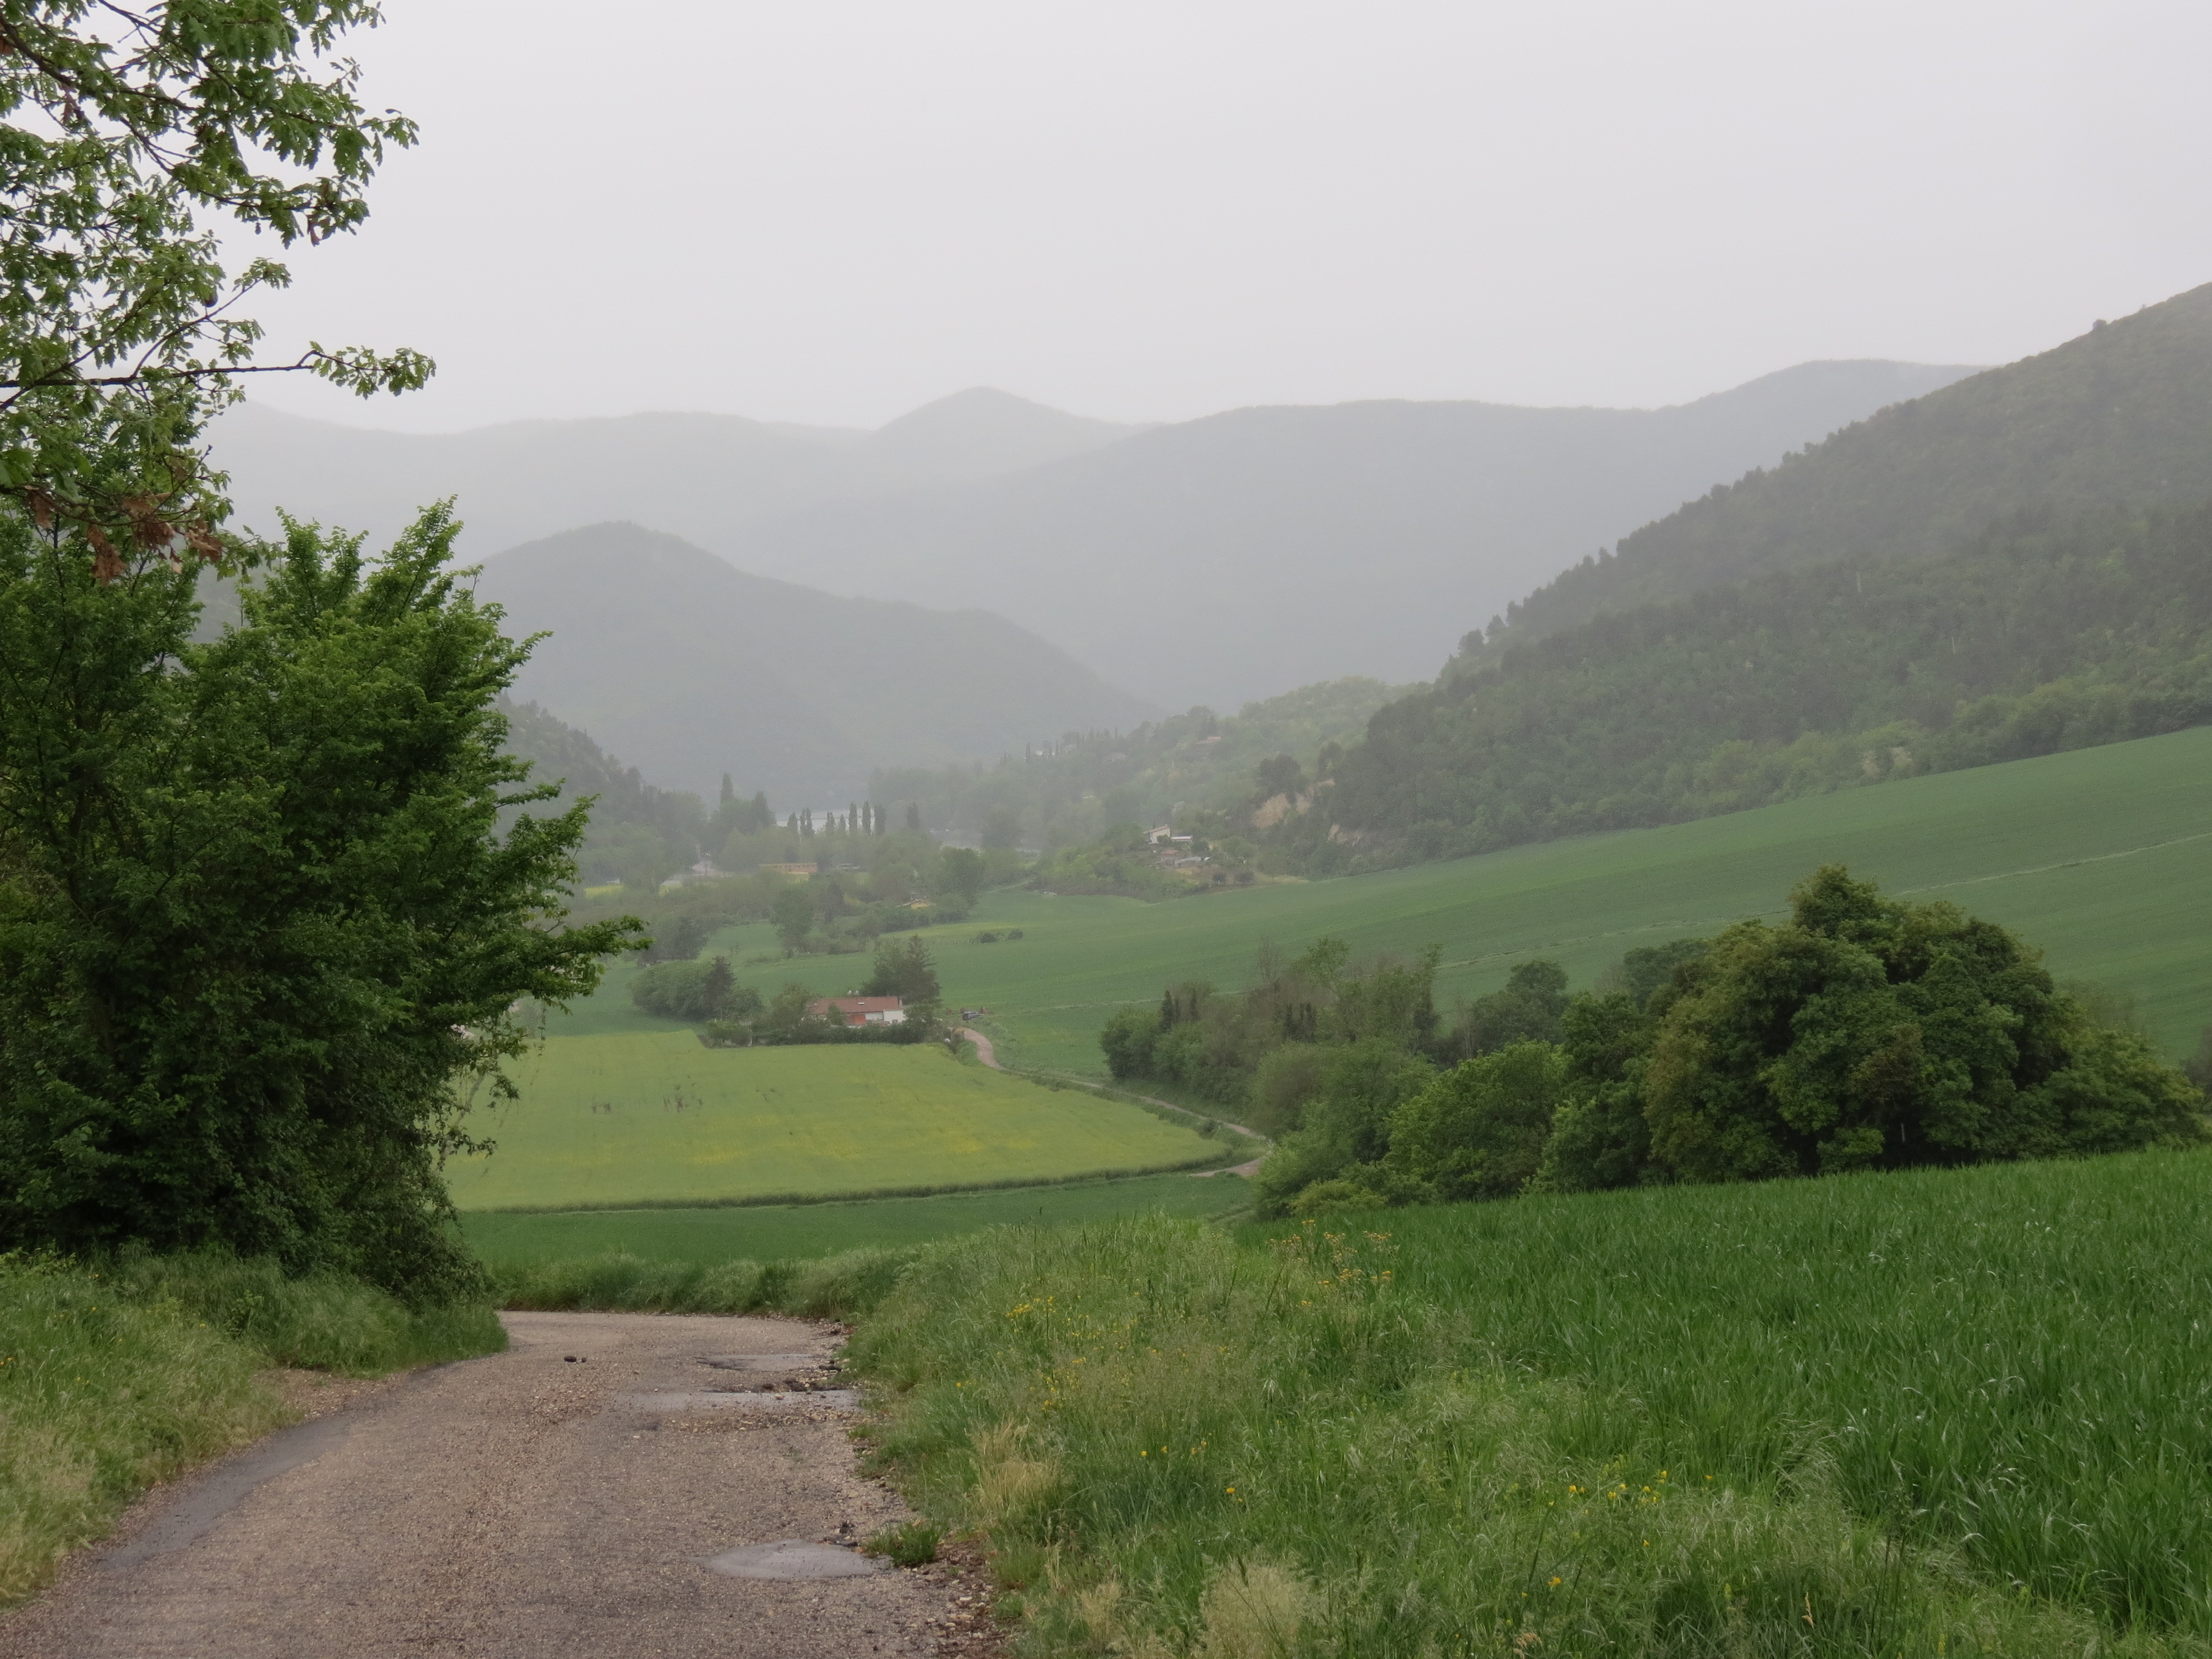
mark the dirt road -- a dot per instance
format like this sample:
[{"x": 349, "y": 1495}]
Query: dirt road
[
  {"x": 526, "y": 1503},
  {"x": 989, "y": 1057}
]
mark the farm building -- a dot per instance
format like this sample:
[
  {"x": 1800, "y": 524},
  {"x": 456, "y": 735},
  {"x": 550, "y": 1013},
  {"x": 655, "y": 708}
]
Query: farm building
[{"x": 858, "y": 1011}]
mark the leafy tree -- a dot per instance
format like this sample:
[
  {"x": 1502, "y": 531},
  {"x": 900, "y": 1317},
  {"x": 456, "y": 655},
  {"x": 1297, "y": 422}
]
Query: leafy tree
[
  {"x": 787, "y": 1012},
  {"x": 1282, "y": 1083},
  {"x": 960, "y": 875},
  {"x": 1599, "y": 1138},
  {"x": 1279, "y": 776},
  {"x": 1867, "y": 1033},
  {"x": 1347, "y": 1125},
  {"x": 1128, "y": 1038},
  {"x": 1642, "y": 972},
  {"x": 914, "y": 815},
  {"x": 792, "y": 915},
  {"x": 694, "y": 990},
  {"x": 1002, "y": 827},
  {"x": 259, "y": 935},
  {"x": 1479, "y": 1130},
  {"x": 906, "y": 971},
  {"x": 1529, "y": 1010},
  {"x": 118, "y": 328},
  {"x": 1394, "y": 1002}
]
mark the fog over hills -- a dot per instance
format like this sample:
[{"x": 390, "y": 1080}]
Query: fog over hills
[
  {"x": 1216, "y": 561},
  {"x": 688, "y": 668},
  {"x": 695, "y": 476},
  {"x": 1242, "y": 554}
]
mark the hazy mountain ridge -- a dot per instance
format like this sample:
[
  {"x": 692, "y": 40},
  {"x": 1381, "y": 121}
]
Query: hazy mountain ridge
[
  {"x": 2123, "y": 413},
  {"x": 689, "y": 668},
  {"x": 691, "y": 475},
  {"x": 1248, "y": 552},
  {"x": 1217, "y": 560},
  {"x": 2079, "y": 613}
]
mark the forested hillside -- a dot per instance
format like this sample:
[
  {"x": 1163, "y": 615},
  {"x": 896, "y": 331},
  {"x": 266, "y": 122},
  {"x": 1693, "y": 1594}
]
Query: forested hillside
[
  {"x": 2123, "y": 413},
  {"x": 1070, "y": 790},
  {"x": 2044, "y": 634},
  {"x": 690, "y": 668},
  {"x": 637, "y": 832}
]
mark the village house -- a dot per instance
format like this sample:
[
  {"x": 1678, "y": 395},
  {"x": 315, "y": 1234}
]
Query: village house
[{"x": 858, "y": 1011}]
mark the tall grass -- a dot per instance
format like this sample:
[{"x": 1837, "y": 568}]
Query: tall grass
[
  {"x": 833, "y": 1286},
  {"x": 115, "y": 1377},
  {"x": 1945, "y": 1414}
]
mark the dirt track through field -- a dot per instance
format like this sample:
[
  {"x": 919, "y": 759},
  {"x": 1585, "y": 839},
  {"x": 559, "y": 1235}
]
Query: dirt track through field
[
  {"x": 525, "y": 1503},
  {"x": 989, "y": 1057}
]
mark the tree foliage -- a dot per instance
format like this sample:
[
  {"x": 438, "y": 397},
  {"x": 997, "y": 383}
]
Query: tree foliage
[
  {"x": 1871, "y": 1033},
  {"x": 906, "y": 971},
  {"x": 122, "y": 132},
  {"x": 1863, "y": 1033},
  {"x": 695, "y": 990},
  {"x": 259, "y": 934},
  {"x": 2123, "y": 413},
  {"x": 2043, "y": 635}
]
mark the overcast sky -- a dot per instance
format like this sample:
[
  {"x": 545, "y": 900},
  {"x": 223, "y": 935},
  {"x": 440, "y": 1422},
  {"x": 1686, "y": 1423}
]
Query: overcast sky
[{"x": 836, "y": 210}]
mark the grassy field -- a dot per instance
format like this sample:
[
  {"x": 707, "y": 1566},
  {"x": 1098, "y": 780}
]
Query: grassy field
[
  {"x": 2100, "y": 856},
  {"x": 653, "y": 1117},
  {"x": 783, "y": 1232},
  {"x": 1958, "y": 1412}
]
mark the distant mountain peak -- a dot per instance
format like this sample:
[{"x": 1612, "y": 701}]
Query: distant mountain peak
[{"x": 983, "y": 431}]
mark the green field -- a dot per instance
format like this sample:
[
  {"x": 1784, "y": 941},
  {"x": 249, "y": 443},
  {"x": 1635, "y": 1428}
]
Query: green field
[
  {"x": 1944, "y": 1413},
  {"x": 2102, "y": 856},
  {"x": 773, "y": 1232},
  {"x": 655, "y": 1117}
]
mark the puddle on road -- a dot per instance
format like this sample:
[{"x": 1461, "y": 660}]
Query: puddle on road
[{"x": 792, "y": 1558}]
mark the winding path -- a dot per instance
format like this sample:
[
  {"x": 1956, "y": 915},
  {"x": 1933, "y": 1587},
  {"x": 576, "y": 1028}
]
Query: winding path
[
  {"x": 618, "y": 1503},
  {"x": 989, "y": 1057}
]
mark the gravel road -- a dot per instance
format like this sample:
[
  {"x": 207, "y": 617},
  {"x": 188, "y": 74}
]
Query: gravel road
[{"x": 525, "y": 1503}]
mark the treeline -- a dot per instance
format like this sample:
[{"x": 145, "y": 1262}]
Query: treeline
[
  {"x": 2042, "y": 635},
  {"x": 1266, "y": 1051},
  {"x": 1181, "y": 769},
  {"x": 1125, "y": 864},
  {"x": 860, "y": 889},
  {"x": 1863, "y": 1033},
  {"x": 704, "y": 992}
]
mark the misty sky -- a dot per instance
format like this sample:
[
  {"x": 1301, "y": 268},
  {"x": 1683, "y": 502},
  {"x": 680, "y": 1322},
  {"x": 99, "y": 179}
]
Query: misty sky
[{"x": 833, "y": 212}]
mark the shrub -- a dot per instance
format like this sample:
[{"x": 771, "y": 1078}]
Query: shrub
[
  {"x": 694, "y": 991},
  {"x": 1128, "y": 1039},
  {"x": 1867, "y": 1033},
  {"x": 1479, "y": 1130}
]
